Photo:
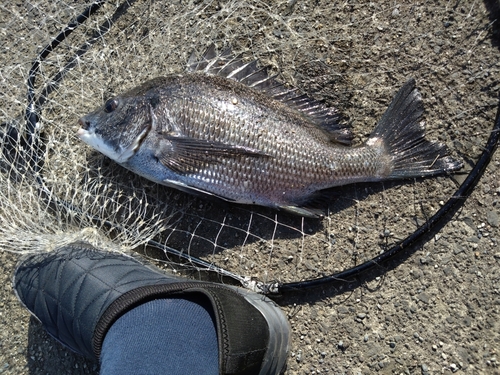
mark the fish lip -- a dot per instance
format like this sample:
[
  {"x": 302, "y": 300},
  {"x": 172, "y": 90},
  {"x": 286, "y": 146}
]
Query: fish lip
[
  {"x": 83, "y": 124},
  {"x": 84, "y": 128}
]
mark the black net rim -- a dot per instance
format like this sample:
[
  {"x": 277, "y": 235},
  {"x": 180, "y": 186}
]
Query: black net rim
[{"x": 381, "y": 262}]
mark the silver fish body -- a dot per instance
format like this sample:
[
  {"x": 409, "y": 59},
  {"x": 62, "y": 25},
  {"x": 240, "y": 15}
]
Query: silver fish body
[{"x": 255, "y": 143}]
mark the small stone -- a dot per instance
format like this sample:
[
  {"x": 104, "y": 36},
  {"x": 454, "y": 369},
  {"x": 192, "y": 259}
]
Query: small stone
[
  {"x": 424, "y": 297},
  {"x": 434, "y": 347},
  {"x": 448, "y": 270},
  {"x": 342, "y": 345},
  {"x": 343, "y": 310},
  {"x": 425, "y": 369},
  {"x": 458, "y": 249},
  {"x": 473, "y": 239},
  {"x": 492, "y": 218},
  {"x": 361, "y": 315},
  {"x": 453, "y": 367}
]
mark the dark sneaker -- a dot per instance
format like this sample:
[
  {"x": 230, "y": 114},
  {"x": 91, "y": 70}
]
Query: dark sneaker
[{"x": 77, "y": 292}]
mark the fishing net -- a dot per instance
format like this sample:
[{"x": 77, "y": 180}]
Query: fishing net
[
  {"x": 55, "y": 189},
  {"x": 64, "y": 58}
]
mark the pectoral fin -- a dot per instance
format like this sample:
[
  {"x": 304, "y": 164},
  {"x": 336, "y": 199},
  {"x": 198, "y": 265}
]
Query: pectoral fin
[{"x": 189, "y": 155}]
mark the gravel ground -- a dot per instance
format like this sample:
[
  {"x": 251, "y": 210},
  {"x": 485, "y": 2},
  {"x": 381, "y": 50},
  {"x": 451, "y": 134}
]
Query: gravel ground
[{"x": 435, "y": 312}]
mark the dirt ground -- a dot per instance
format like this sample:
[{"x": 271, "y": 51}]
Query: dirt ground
[{"x": 437, "y": 311}]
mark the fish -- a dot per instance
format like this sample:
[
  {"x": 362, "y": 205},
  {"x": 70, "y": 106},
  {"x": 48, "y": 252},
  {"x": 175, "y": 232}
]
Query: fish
[{"x": 226, "y": 128}]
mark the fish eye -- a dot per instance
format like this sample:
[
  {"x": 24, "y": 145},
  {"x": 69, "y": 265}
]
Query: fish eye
[{"x": 110, "y": 105}]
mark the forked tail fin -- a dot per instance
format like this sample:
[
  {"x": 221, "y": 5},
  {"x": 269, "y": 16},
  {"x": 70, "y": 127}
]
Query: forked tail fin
[{"x": 403, "y": 135}]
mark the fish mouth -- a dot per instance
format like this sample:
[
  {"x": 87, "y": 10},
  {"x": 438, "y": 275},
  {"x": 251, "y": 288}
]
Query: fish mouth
[
  {"x": 83, "y": 132},
  {"x": 85, "y": 125},
  {"x": 118, "y": 154},
  {"x": 98, "y": 143}
]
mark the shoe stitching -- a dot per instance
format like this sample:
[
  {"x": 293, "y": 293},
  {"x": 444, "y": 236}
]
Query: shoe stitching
[{"x": 223, "y": 324}]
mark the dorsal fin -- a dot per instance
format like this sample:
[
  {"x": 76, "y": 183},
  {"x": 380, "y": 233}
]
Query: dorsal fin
[{"x": 251, "y": 74}]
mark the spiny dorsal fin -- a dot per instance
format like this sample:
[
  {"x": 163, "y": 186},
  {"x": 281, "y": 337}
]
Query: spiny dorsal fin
[{"x": 250, "y": 74}]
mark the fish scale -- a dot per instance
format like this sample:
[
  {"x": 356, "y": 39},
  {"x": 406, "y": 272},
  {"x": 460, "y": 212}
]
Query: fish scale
[
  {"x": 226, "y": 129},
  {"x": 290, "y": 159}
]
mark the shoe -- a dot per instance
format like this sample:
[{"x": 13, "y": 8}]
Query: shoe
[{"x": 77, "y": 292}]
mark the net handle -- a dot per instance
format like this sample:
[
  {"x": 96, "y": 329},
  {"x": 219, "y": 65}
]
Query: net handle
[{"x": 32, "y": 112}]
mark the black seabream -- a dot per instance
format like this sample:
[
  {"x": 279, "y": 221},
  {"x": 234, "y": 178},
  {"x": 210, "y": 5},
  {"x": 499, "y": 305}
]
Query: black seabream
[{"x": 227, "y": 129}]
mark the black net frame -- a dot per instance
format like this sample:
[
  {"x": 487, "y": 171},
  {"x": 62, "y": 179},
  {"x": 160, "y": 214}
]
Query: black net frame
[{"x": 33, "y": 142}]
